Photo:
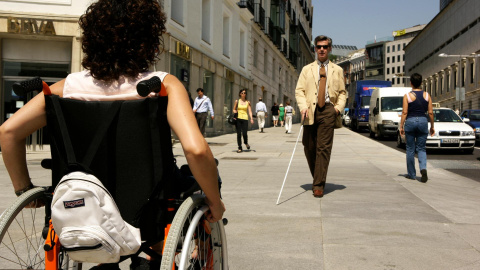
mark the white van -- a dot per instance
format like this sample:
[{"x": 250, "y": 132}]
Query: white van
[{"x": 385, "y": 110}]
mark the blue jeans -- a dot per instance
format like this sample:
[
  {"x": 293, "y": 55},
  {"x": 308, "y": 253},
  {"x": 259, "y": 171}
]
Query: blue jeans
[{"x": 416, "y": 132}]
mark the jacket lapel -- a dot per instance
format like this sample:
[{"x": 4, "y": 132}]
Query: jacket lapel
[{"x": 316, "y": 76}]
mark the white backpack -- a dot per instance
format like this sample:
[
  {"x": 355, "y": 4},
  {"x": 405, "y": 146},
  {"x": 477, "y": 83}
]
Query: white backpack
[{"x": 88, "y": 222}]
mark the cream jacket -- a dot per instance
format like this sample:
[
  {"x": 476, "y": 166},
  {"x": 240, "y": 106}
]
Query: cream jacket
[{"x": 307, "y": 89}]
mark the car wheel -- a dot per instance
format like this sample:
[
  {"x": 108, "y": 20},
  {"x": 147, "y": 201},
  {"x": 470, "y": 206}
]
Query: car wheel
[
  {"x": 400, "y": 144},
  {"x": 372, "y": 134}
]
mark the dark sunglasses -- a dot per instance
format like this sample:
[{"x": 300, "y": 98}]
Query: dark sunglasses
[{"x": 323, "y": 46}]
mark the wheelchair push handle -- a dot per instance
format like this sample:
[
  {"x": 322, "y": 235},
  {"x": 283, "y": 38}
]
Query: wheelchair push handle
[
  {"x": 145, "y": 87},
  {"x": 22, "y": 88}
]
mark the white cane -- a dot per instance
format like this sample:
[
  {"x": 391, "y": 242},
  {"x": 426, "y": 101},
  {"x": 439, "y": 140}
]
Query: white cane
[{"x": 300, "y": 132}]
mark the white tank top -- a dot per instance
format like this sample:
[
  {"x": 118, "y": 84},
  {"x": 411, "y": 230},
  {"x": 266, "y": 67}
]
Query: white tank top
[{"x": 82, "y": 86}]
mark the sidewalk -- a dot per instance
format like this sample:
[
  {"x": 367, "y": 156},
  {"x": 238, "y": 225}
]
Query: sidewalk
[{"x": 371, "y": 217}]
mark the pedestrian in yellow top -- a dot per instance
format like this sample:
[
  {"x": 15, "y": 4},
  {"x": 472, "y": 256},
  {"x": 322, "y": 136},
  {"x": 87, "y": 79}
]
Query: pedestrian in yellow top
[{"x": 243, "y": 109}]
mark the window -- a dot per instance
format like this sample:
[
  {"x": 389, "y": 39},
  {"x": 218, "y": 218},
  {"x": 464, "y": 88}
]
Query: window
[
  {"x": 177, "y": 11},
  {"x": 398, "y": 58},
  {"x": 455, "y": 79},
  {"x": 393, "y": 59},
  {"x": 206, "y": 17},
  {"x": 274, "y": 70},
  {"x": 404, "y": 45},
  {"x": 255, "y": 53},
  {"x": 471, "y": 72},
  {"x": 242, "y": 47},
  {"x": 398, "y": 80},
  {"x": 226, "y": 36},
  {"x": 440, "y": 85},
  {"x": 404, "y": 58},
  {"x": 388, "y": 70},
  {"x": 388, "y": 49},
  {"x": 463, "y": 77},
  {"x": 393, "y": 48},
  {"x": 265, "y": 60},
  {"x": 398, "y": 47},
  {"x": 447, "y": 86},
  {"x": 388, "y": 60},
  {"x": 398, "y": 69}
]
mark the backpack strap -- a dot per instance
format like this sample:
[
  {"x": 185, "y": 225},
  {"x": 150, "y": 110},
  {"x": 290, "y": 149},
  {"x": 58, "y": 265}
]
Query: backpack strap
[
  {"x": 101, "y": 131},
  {"x": 67, "y": 143}
]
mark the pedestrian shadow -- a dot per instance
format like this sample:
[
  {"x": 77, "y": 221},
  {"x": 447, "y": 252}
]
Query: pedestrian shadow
[
  {"x": 329, "y": 188},
  {"x": 407, "y": 178},
  {"x": 245, "y": 150}
]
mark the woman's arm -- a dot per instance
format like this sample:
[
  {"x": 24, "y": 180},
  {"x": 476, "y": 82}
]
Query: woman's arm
[
  {"x": 235, "y": 106},
  {"x": 198, "y": 154},
  {"x": 250, "y": 112},
  {"x": 404, "y": 115},
  {"x": 430, "y": 115},
  {"x": 13, "y": 132}
]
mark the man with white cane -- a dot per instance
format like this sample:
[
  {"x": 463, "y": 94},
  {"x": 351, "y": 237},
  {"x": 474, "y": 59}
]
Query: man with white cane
[{"x": 321, "y": 96}]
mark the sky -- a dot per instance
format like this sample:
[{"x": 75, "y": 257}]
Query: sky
[{"x": 354, "y": 22}]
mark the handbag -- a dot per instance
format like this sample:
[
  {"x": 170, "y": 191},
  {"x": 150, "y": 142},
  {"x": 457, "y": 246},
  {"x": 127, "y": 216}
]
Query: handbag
[{"x": 232, "y": 119}]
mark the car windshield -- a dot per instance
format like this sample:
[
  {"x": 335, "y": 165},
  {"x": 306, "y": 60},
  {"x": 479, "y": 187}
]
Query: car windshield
[
  {"x": 365, "y": 102},
  {"x": 391, "y": 104},
  {"x": 446, "y": 116}
]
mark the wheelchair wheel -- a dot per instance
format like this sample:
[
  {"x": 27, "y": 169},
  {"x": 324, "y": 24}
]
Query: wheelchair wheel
[
  {"x": 193, "y": 242},
  {"x": 21, "y": 233}
]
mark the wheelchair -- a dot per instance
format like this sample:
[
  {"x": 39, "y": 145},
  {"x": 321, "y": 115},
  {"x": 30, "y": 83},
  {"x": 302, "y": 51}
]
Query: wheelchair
[{"x": 133, "y": 158}]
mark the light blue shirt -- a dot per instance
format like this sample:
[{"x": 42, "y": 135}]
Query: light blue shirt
[
  {"x": 204, "y": 107},
  {"x": 260, "y": 107}
]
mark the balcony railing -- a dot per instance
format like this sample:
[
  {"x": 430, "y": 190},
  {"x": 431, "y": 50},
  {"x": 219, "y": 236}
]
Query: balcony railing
[
  {"x": 304, "y": 33},
  {"x": 277, "y": 37},
  {"x": 259, "y": 16},
  {"x": 246, "y": 4},
  {"x": 268, "y": 27}
]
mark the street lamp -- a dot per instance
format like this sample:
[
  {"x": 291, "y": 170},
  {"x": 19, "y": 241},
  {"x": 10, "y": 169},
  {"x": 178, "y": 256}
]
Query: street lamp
[
  {"x": 401, "y": 76},
  {"x": 473, "y": 55}
]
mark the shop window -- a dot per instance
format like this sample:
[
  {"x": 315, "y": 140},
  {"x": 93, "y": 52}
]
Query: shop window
[
  {"x": 206, "y": 17},
  {"x": 472, "y": 73},
  {"x": 208, "y": 91},
  {"x": 228, "y": 99}
]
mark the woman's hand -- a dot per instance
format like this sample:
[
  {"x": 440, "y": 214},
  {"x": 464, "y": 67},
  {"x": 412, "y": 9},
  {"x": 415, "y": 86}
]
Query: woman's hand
[
  {"x": 215, "y": 212},
  {"x": 432, "y": 131},
  {"x": 251, "y": 120},
  {"x": 402, "y": 131}
]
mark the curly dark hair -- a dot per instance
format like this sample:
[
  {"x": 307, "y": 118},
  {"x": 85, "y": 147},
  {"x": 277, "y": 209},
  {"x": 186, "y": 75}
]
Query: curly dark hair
[{"x": 121, "y": 37}]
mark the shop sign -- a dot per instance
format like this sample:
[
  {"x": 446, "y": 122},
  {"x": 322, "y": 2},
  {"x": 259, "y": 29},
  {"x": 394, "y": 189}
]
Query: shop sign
[
  {"x": 182, "y": 50},
  {"x": 29, "y": 26}
]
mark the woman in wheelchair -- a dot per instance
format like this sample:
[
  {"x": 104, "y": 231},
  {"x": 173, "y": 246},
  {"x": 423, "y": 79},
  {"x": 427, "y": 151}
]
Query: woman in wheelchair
[{"x": 120, "y": 41}]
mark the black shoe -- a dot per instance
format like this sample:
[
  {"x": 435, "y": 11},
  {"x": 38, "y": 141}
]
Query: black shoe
[
  {"x": 424, "y": 178},
  {"x": 286, "y": 131}
]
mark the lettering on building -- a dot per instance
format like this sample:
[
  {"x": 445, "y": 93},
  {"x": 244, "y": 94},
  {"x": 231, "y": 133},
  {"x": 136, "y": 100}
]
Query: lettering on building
[
  {"x": 29, "y": 26},
  {"x": 182, "y": 49}
]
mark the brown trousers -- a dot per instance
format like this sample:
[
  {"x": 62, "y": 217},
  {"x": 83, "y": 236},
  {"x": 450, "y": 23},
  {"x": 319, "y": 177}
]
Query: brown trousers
[{"x": 318, "y": 141}]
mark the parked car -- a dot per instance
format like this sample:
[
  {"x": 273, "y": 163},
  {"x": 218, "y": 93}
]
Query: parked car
[
  {"x": 346, "y": 119},
  {"x": 472, "y": 118},
  {"x": 450, "y": 132}
]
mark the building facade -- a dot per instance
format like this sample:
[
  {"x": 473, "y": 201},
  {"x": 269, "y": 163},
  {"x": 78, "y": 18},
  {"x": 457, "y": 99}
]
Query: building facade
[
  {"x": 221, "y": 46},
  {"x": 452, "y": 81},
  {"x": 395, "y": 55}
]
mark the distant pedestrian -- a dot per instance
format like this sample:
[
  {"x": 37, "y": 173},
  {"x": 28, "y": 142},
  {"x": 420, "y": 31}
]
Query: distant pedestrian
[
  {"x": 289, "y": 112},
  {"x": 281, "y": 114},
  {"x": 415, "y": 105},
  {"x": 319, "y": 105},
  {"x": 261, "y": 111},
  {"x": 201, "y": 106},
  {"x": 243, "y": 109},
  {"x": 274, "y": 111}
]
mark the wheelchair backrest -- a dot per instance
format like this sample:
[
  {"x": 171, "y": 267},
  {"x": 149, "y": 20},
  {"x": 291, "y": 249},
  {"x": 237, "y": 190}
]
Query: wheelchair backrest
[{"x": 134, "y": 156}]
